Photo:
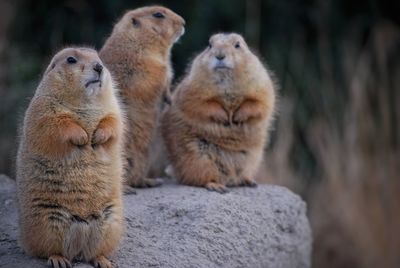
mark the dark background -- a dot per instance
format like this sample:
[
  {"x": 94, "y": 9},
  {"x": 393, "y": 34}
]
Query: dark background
[{"x": 336, "y": 140}]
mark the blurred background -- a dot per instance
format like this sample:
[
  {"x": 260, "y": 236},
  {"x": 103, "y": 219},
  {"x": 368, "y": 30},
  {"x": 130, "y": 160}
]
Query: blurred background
[{"x": 336, "y": 140}]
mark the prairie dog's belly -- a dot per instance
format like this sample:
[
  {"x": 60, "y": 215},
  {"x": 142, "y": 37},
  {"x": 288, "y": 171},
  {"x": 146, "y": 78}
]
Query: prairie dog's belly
[
  {"x": 224, "y": 157},
  {"x": 235, "y": 152},
  {"x": 81, "y": 186},
  {"x": 233, "y": 165}
]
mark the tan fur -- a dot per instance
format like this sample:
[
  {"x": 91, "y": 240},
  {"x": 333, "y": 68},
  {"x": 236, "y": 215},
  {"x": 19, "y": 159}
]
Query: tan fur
[
  {"x": 69, "y": 164},
  {"x": 138, "y": 55},
  {"x": 216, "y": 128}
]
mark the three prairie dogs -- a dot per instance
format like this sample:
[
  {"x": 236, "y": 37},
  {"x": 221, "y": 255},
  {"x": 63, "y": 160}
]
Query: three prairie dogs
[{"x": 76, "y": 140}]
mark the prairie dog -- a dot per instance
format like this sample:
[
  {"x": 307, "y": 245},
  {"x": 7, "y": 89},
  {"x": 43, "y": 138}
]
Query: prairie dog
[
  {"x": 216, "y": 127},
  {"x": 69, "y": 163},
  {"x": 138, "y": 56}
]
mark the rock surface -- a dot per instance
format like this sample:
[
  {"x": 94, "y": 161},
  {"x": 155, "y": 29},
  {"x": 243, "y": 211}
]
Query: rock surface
[{"x": 181, "y": 226}]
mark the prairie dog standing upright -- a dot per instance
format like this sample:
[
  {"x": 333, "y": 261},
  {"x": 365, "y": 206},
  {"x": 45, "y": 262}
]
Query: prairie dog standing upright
[
  {"x": 69, "y": 164},
  {"x": 216, "y": 127},
  {"x": 138, "y": 56}
]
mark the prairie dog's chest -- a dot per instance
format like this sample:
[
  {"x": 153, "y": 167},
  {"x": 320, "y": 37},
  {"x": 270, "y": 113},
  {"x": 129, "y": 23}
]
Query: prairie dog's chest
[
  {"x": 89, "y": 119},
  {"x": 231, "y": 100}
]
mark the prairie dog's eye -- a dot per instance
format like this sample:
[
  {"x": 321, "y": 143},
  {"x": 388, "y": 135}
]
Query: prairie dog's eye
[
  {"x": 237, "y": 45},
  {"x": 71, "y": 60},
  {"x": 158, "y": 15},
  {"x": 209, "y": 45}
]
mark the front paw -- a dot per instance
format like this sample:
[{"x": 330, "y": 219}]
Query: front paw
[
  {"x": 248, "y": 110},
  {"x": 220, "y": 119},
  {"x": 79, "y": 137},
  {"x": 239, "y": 118},
  {"x": 101, "y": 136}
]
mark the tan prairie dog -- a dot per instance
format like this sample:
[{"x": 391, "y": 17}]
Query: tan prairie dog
[
  {"x": 138, "y": 56},
  {"x": 69, "y": 164},
  {"x": 216, "y": 128}
]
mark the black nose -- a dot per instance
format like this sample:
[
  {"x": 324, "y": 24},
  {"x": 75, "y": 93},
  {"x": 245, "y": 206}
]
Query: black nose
[
  {"x": 220, "y": 57},
  {"x": 98, "y": 68}
]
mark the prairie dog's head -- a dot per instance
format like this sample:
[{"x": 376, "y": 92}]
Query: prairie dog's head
[
  {"x": 76, "y": 74},
  {"x": 225, "y": 53},
  {"x": 154, "y": 24}
]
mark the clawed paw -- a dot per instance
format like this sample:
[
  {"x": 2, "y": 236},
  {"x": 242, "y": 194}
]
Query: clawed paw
[
  {"x": 80, "y": 138},
  {"x": 147, "y": 183},
  {"x": 58, "y": 261},
  {"x": 101, "y": 262},
  {"x": 153, "y": 182},
  {"x": 128, "y": 190},
  {"x": 249, "y": 183},
  {"x": 101, "y": 136},
  {"x": 217, "y": 187}
]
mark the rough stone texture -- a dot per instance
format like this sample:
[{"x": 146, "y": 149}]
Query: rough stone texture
[{"x": 180, "y": 226}]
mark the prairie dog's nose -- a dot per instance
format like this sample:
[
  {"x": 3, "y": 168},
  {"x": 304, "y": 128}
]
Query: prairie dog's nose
[
  {"x": 220, "y": 56},
  {"x": 98, "y": 68}
]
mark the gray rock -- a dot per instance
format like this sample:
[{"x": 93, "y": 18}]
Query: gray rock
[
  {"x": 6, "y": 184},
  {"x": 181, "y": 226}
]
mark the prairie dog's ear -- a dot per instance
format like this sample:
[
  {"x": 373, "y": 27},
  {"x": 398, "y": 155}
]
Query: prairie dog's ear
[
  {"x": 50, "y": 67},
  {"x": 135, "y": 22}
]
